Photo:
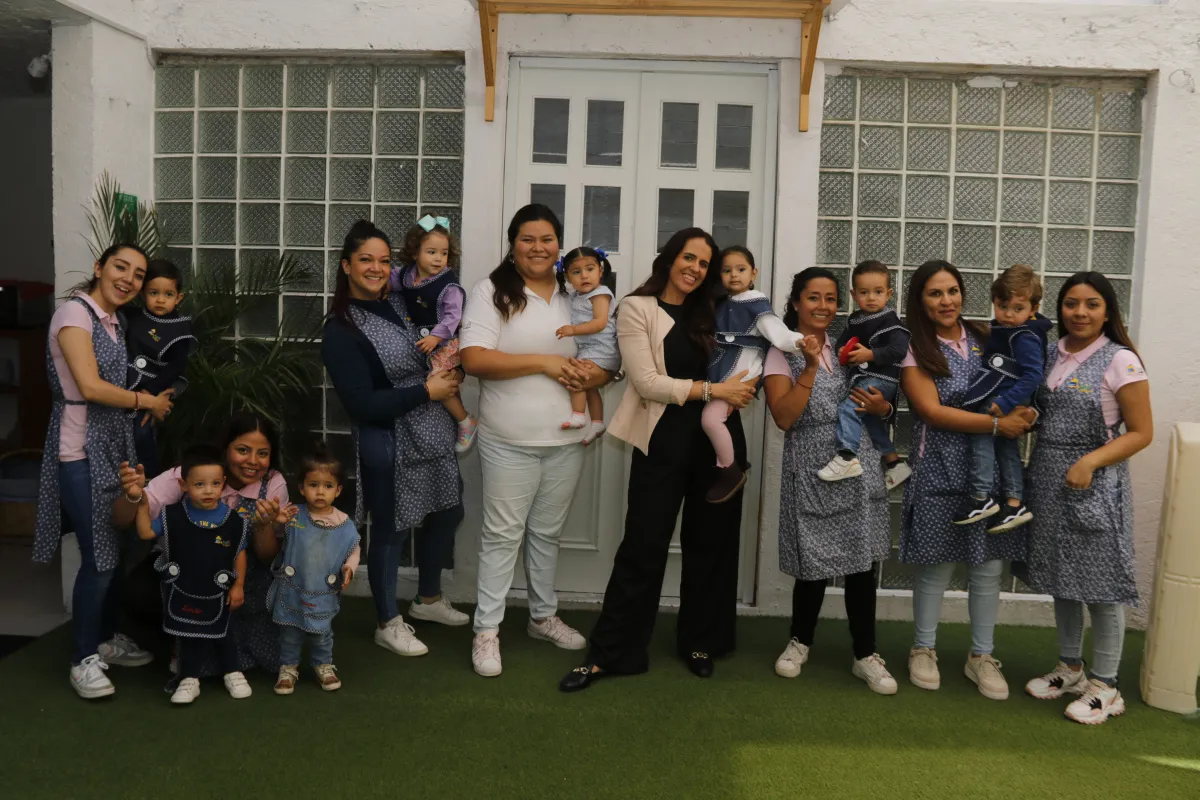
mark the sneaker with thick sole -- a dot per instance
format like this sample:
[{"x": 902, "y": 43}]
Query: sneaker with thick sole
[
  {"x": 896, "y": 474},
  {"x": 1099, "y": 702},
  {"x": 984, "y": 672},
  {"x": 439, "y": 611},
  {"x": 557, "y": 632},
  {"x": 237, "y": 686},
  {"x": 793, "y": 657},
  {"x": 838, "y": 469},
  {"x": 1011, "y": 518},
  {"x": 728, "y": 481},
  {"x": 923, "y": 669},
  {"x": 397, "y": 636},
  {"x": 187, "y": 691},
  {"x": 972, "y": 510},
  {"x": 121, "y": 651},
  {"x": 873, "y": 670},
  {"x": 1059, "y": 681},
  {"x": 289, "y": 674},
  {"x": 485, "y": 654},
  {"x": 327, "y": 677},
  {"x": 88, "y": 679}
]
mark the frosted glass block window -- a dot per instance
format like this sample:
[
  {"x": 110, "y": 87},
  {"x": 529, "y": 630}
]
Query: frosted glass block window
[
  {"x": 984, "y": 174},
  {"x": 257, "y": 159}
]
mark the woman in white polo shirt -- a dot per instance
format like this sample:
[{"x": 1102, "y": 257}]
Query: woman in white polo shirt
[{"x": 530, "y": 466}]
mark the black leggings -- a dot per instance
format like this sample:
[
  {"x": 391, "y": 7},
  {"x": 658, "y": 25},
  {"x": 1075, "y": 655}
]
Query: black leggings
[
  {"x": 807, "y": 597},
  {"x": 194, "y": 651}
]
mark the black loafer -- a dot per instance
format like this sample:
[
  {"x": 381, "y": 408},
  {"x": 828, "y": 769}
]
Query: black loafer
[
  {"x": 579, "y": 679},
  {"x": 700, "y": 664}
]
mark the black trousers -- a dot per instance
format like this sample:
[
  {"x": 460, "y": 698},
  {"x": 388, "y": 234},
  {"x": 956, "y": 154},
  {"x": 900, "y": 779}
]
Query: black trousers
[
  {"x": 808, "y": 596},
  {"x": 677, "y": 471},
  {"x": 193, "y": 652}
]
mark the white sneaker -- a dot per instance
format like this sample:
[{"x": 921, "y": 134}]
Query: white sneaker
[
  {"x": 1061, "y": 680},
  {"x": 397, "y": 636},
  {"x": 553, "y": 629},
  {"x": 985, "y": 673},
  {"x": 439, "y": 611},
  {"x": 236, "y": 684},
  {"x": 122, "y": 651},
  {"x": 896, "y": 474},
  {"x": 794, "y": 656},
  {"x": 88, "y": 679},
  {"x": 923, "y": 669},
  {"x": 485, "y": 654},
  {"x": 872, "y": 669},
  {"x": 839, "y": 469},
  {"x": 187, "y": 691},
  {"x": 1097, "y": 704}
]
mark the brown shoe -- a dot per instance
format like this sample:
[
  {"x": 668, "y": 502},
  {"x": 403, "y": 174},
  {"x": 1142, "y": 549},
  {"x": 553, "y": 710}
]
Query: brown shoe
[
  {"x": 327, "y": 677},
  {"x": 288, "y": 675},
  {"x": 728, "y": 483}
]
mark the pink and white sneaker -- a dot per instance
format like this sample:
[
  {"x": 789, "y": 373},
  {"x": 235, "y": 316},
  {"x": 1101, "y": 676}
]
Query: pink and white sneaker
[{"x": 1099, "y": 702}]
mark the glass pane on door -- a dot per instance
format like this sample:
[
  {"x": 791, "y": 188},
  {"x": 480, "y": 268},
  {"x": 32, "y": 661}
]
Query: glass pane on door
[
  {"x": 730, "y": 213},
  {"x": 602, "y": 217},
  {"x": 551, "y": 117},
  {"x": 605, "y": 133},
  {"x": 680, "y": 133},
  {"x": 553, "y": 195},
  {"x": 676, "y": 208},
  {"x": 735, "y": 126}
]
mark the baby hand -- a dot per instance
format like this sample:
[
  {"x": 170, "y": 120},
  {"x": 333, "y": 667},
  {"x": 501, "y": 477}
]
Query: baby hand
[
  {"x": 565, "y": 331},
  {"x": 428, "y": 344},
  {"x": 995, "y": 411},
  {"x": 860, "y": 355},
  {"x": 286, "y": 514},
  {"x": 347, "y": 576},
  {"x": 237, "y": 597}
]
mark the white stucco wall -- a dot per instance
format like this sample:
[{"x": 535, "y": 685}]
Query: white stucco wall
[{"x": 1134, "y": 37}]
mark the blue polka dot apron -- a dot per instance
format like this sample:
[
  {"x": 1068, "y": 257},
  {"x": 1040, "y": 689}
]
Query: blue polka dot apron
[
  {"x": 426, "y": 467},
  {"x": 1080, "y": 540},
  {"x": 307, "y": 591},
  {"x": 108, "y": 441},
  {"x": 940, "y": 482},
  {"x": 827, "y": 530},
  {"x": 197, "y": 570}
]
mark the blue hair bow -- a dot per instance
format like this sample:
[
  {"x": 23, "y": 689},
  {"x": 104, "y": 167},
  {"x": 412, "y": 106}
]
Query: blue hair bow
[
  {"x": 558, "y": 265},
  {"x": 429, "y": 222},
  {"x": 601, "y": 253}
]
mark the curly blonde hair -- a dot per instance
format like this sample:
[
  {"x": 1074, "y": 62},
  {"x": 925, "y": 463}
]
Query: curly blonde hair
[{"x": 416, "y": 237}]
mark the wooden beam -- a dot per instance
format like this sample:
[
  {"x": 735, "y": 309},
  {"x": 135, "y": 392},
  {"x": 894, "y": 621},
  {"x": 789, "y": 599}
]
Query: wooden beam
[
  {"x": 761, "y": 9},
  {"x": 809, "y": 36},
  {"x": 489, "y": 26}
]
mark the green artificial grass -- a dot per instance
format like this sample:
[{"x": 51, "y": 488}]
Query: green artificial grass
[{"x": 430, "y": 728}]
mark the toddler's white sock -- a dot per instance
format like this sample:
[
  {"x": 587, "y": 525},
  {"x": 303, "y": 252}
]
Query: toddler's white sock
[
  {"x": 594, "y": 432},
  {"x": 576, "y": 421}
]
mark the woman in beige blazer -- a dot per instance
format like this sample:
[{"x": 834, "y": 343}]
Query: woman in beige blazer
[{"x": 665, "y": 331}]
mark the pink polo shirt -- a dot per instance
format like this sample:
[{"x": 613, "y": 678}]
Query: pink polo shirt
[
  {"x": 72, "y": 433},
  {"x": 776, "y": 362},
  {"x": 1124, "y": 369},
  {"x": 165, "y": 490},
  {"x": 962, "y": 346}
]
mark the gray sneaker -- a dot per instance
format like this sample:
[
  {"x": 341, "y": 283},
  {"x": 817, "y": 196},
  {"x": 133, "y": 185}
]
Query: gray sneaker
[{"x": 123, "y": 652}]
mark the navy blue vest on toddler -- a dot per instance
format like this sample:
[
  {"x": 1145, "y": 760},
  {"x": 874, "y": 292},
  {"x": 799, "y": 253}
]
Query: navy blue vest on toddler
[
  {"x": 737, "y": 328},
  {"x": 197, "y": 570},
  {"x": 151, "y": 342},
  {"x": 422, "y": 300},
  {"x": 881, "y": 332},
  {"x": 1000, "y": 367}
]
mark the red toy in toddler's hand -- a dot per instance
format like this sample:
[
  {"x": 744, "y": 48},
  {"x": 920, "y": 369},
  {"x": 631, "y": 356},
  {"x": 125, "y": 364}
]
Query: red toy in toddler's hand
[{"x": 847, "y": 348}]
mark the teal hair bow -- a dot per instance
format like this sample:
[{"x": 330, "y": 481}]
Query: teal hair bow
[{"x": 429, "y": 222}]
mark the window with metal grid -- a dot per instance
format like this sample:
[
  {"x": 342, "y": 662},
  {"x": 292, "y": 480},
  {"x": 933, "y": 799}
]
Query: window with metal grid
[
  {"x": 258, "y": 158},
  {"x": 985, "y": 173}
]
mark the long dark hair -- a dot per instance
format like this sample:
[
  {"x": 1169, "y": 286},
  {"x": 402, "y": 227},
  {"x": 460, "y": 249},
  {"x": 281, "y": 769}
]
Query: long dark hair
[
  {"x": 800, "y": 282},
  {"x": 606, "y": 274},
  {"x": 243, "y": 422},
  {"x": 1114, "y": 326},
  {"x": 508, "y": 287},
  {"x": 698, "y": 312},
  {"x": 923, "y": 339},
  {"x": 360, "y": 233},
  {"x": 88, "y": 284}
]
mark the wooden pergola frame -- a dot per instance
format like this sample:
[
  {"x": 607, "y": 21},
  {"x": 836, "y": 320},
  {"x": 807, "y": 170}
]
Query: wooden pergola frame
[{"x": 809, "y": 11}]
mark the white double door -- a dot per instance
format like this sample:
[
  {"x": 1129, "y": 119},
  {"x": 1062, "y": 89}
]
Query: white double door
[{"x": 627, "y": 154}]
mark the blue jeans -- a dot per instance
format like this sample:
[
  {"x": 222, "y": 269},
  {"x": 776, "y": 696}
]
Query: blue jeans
[
  {"x": 1108, "y": 636},
  {"x": 989, "y": 452},
  {"x": 95, "y": 595},
  {"x": 291, "y": 641},
  {"x": 145, "y": 441},
  {"x": 435, "y": 539},
  {"x": 983, "y": 602},
  {"x": 850, "y": 423}
]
